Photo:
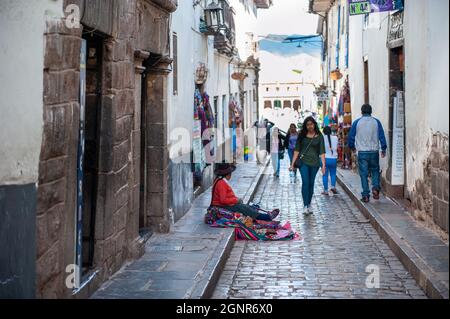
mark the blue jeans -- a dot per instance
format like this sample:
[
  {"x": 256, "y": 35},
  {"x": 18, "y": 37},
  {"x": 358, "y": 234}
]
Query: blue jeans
[
  {"x": 308, "y": 174},
  {"x": 291, "y": 157},
  {"x": 331, "y": 164},
  {"x": 248, "y": 211},
  {"x": 369, "y": 162}
]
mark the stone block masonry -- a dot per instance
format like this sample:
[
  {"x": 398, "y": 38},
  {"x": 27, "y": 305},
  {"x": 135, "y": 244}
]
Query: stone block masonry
[
  {"x": 115, "y": 86},
  {"x": 57, "y": 168},
  {"x": 430, "y": 194}
]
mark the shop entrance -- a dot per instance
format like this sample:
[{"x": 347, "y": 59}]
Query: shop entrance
[
  {"x": 88, "y": 153},
  {"x": 143, "y": 160},
  {"x": 397, "y": 138}
]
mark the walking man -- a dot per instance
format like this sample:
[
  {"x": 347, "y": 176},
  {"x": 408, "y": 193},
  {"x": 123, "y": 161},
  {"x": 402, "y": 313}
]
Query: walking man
[{"x": 366, "y": 136}]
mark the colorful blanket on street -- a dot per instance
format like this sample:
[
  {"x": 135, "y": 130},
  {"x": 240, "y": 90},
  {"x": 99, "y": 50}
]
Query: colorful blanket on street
[{"x": 245, "y": 228}]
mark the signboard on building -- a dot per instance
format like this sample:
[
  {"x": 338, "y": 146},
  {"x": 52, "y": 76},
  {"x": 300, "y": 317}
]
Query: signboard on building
[
  {"x": 395, "y": 30},
  {"x": 398, "y": 141},
  {"x": 357, "y": 7},
  {"x": 322, "y": 95}
]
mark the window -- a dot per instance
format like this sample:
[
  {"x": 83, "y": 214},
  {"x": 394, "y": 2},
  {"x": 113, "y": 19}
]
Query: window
[
  {"x": 287, "y": 104},
  {"x": 175, "y": 63},
  {"x": 267, "y": 104},
  {"x": 267, "y": 89},
  {"x": 297, "y": 105},
  {"x": 277, "y": 104}
]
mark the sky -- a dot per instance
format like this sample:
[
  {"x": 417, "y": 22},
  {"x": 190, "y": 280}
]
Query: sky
[{"x": 287, "y": 17}]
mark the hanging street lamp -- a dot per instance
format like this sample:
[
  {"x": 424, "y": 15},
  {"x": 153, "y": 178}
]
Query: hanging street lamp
[{"x": 214, "y": 17}]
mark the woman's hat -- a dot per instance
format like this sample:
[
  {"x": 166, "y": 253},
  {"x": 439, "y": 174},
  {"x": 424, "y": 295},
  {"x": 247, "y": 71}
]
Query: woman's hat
[{"x": 223, "y": 169}]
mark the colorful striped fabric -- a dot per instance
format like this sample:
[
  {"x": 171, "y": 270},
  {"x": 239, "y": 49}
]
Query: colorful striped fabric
[{"x": 246, "y": 233}]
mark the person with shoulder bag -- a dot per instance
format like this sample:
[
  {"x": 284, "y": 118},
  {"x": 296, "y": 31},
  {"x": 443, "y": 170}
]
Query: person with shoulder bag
[{"x": 309, "y": 157}]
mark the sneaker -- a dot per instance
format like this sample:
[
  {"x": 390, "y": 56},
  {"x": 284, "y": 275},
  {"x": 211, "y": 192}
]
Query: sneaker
[
  {"x": 376, "y": 194},
  {"x": 366, "y": 199},
  {"x": 310, "y": 211},
  {"x": 334, "y": 191},
  {"x": 274, "y": 214},
  {"x": 325, "y": 193},
  {"x": 306, "y": 211}
]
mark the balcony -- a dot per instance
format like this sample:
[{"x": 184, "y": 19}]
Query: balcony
[
  {"x": 225, "y": 36},
  {"x": 168, "y": 5},
  {"x": 320, "y": 6},
  {"x": 263, "y": 4}
]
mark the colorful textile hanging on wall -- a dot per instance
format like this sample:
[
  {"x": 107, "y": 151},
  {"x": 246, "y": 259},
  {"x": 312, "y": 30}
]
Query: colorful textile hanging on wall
[
  {"x": 203, "y": 120},
  {"x": 235, "y": 122}
]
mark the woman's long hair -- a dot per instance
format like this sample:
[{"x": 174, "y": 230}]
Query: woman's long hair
[
  {"x": 304, "y": 131},
  {"x": 327, "y": 132}
]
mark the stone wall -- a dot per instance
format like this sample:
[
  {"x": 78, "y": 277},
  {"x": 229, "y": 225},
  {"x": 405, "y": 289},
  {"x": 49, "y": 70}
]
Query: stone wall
[
  {"x": 430, "y": 195},
  {"x": 119, "y": 147},
  {"x": 57, "y": 168}
]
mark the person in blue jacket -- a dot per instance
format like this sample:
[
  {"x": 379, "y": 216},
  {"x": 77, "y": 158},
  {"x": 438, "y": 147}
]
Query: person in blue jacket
[{"x": 366, "y": 137}]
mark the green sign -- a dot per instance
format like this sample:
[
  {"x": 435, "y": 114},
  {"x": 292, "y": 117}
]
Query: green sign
[{"x": 359, "y": 7}]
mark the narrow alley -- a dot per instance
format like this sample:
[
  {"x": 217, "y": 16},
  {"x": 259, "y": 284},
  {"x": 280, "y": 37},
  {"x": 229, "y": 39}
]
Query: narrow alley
[
  {"x": 330, "y": 262},
  {"x": 208, "y": 150}
]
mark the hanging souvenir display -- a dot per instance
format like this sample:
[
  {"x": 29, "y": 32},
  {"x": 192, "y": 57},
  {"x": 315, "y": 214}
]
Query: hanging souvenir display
[
  {"x": 235, "y": 121},
  {"x": 345, "y": 124},
  {"x": 203, "y": 120}
]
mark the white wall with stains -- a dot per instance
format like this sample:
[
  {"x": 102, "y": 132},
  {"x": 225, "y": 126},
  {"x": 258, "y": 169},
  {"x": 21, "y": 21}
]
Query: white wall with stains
[{"x": 22, "y": 27}]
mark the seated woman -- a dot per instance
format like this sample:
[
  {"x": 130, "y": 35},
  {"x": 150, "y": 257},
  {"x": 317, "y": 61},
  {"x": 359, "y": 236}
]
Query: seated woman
[{"x": 224, "y": 197}]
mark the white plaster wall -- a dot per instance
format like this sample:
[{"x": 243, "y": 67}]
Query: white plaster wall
[
  {"x": 356, "y": 64},
  {"x": 370, "y": 43},
  {"x": 427, "y": 62},
  {"x": 426, "y": 76},
  {"x": 246, "y": 21},
  {"x": 22, "y": 26},
  {"x": 181, "y": 106},
  {"x": 195, "y": 48},
  {"x": 416, "y": 104},
  {"x": 438, "y": 65}
]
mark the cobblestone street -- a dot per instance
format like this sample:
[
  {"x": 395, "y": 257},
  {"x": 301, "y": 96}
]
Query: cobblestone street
[{"x": 329, "y": 262}]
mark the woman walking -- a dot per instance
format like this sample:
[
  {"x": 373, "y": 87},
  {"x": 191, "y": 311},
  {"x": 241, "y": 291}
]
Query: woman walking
[
  {"x": 309, "y": 157},
  {"x": 331, "y": 156},
  {"x": 289, "y": 143}
]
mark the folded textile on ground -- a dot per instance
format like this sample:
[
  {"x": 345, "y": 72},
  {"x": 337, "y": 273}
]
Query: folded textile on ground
[{"x": 247, "y": 229}]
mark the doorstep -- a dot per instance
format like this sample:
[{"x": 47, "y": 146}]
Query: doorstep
[
  {"x": 422, "y": 252},
  {"x": 187, "y": 262}
]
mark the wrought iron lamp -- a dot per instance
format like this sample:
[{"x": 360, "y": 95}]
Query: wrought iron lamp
[{"x": 214, "y": 17}]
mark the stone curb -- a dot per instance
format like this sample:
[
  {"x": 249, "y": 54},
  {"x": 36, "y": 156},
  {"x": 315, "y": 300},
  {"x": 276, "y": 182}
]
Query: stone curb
[
  {"x": 223, "y": 252},
  {"x": 413, "y": 263}
]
